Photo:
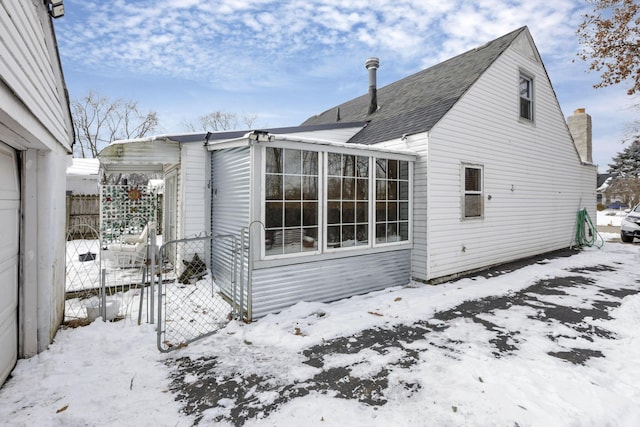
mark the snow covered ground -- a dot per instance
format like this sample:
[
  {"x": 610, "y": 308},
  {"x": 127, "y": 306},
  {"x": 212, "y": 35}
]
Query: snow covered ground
[
  {"x": 611, "y": 217},
  {"x": 505, "y": 366}
]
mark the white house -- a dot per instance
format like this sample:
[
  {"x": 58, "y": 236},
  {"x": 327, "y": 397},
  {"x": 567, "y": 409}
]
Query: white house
[
  {"x": 35, "y": 139},
  {"x": 182, "y": 161},
  {"x": 82, "y": 176},
  {"x": 496, "y": 157},
  {"x": 447, "y": 171}
]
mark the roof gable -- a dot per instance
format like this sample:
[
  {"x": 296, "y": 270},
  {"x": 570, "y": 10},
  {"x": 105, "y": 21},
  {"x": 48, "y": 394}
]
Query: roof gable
[
  {"x": 417, "y": 102},
  {"x": 525, "y": 46}
]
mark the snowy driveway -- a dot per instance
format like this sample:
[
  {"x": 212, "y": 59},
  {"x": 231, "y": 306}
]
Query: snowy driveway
[
  {"x": 538, "y": 354},
  {"x": 553, "y": 342}
]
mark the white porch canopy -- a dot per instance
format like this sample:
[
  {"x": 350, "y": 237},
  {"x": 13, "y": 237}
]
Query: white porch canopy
[{"x": 142, "y": 155}]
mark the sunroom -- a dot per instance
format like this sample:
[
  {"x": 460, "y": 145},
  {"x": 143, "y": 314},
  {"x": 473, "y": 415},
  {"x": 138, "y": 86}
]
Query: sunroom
[{"x": 320, "y": 219}]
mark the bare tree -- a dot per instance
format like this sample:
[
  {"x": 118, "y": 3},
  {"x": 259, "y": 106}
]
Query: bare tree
[
  {"x": 98, "y": 121},
  {"x": 610, "y": 39},
  {"x": 221, "y": 120},
  {"x": 249, "y": 120},
  {"x": 625, "y": 190},
  {"x": 632, "y": 131}
]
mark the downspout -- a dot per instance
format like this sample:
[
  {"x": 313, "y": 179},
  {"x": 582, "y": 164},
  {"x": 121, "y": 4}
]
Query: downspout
[{"x": 255, "y": 138}]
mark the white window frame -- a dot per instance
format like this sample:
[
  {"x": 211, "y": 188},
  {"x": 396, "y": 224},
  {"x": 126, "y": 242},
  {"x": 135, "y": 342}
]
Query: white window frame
[
  {"x": 409, "y": 201},
  {"x": 319, "y": 202},
  {"x": 465, "y": 192},
  {"x": 325, "y": 202},
  {"x": 321, "y": 246},
  {"x": 529, "y": 99}
]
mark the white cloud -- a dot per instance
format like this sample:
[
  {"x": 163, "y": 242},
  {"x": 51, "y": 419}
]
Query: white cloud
[
  {"x": 179, "y": 30},
  {"x": 252, "y": 45}
]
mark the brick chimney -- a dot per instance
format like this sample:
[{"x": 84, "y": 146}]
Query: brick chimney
[
  {"x": 372, "y": 65},
  {"x": 580, "y": 128}
]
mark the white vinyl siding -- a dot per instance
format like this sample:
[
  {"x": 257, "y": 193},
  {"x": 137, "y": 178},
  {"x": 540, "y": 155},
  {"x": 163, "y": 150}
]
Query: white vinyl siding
[
  {"x": 531, "y": 173},
  {"x": 327, "y": 280},
  {"x": 29, "y": 66},
  {"x": 193, "y": 190},
  {"x": 170, "y": 200},
  {"x": 230, "y": 202},
  {"x": 37, "y": 124}
]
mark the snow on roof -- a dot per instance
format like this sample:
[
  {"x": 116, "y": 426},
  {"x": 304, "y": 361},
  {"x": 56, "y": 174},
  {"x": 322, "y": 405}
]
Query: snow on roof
[
  {"x": 83, "y": 167},
  {"x": 605, "y": 185}
]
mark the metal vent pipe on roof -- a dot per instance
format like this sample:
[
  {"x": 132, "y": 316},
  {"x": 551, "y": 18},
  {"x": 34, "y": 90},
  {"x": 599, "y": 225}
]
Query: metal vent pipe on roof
[{"x": 372, "y": 65}]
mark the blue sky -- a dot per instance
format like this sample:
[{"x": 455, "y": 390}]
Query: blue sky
[{"x": 284, "y": 61}]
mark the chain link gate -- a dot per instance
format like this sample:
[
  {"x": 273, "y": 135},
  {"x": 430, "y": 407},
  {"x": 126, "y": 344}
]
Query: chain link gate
[
  {"x": 190, "y": 303},
  {"x": 82, "y": 284}
]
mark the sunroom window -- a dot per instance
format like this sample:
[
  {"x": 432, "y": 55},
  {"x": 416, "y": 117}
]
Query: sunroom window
[
  {"x": 291, "y": 201},
  {"x": 392, "y": 201},
  {"x": 347, "y": 200}
]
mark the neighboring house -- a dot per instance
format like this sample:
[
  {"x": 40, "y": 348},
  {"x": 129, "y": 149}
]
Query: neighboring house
[
  {"x": 82, "y": 176},
  {"x": 604, "y": 181},
  {"x": 620, "y": 192},
  {"x": 441, "y": 173},
  {"x": 35, "y": 139}
]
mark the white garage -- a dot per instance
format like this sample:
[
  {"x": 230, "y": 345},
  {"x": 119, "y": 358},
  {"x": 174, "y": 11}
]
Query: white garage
[
  {"x": 9, "y": 252},
  {"x": 36, "y": 136}
]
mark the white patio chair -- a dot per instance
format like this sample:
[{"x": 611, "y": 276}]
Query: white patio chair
[{"x": 129, "y": 252}]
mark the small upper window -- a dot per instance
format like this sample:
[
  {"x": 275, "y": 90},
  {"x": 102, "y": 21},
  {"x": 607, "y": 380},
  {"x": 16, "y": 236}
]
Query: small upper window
[{"x": 526, "y": 97}]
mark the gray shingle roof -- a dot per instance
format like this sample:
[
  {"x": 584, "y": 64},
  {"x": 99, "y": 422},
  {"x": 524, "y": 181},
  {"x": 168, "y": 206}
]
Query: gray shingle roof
[{"x": 417, "y": 102}]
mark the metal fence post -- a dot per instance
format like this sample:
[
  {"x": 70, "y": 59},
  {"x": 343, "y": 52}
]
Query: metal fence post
[
  {"x": 159, "y": 331},
  {"x": 103, "y": 292},
  {"x": 152, "y": 283},
  {"x": 242, "y": 231}
]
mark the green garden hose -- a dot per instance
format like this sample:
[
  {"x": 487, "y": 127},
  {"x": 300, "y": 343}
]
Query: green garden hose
[{"x": 586, "y": 232}]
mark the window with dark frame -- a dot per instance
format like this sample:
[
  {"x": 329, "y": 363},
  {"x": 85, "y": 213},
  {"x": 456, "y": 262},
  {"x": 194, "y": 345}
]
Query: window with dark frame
[
  {"x": 473, "y": 198},
  {"x": 526, "y": 97}
]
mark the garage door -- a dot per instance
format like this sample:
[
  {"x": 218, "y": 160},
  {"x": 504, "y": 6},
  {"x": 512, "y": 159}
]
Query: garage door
[{"x": 9, "y": 249}]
